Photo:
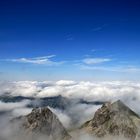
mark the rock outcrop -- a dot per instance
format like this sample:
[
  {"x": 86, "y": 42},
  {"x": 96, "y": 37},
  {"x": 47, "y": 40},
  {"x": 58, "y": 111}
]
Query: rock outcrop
[
  {"x": 44, "y": 123},
  {"x": 114, "y": 119}
]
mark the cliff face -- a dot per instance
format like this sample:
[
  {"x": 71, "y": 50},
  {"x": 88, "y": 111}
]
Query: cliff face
[
  {"x": 43, "y": 122},
  {"x": 114, "y": 119}
]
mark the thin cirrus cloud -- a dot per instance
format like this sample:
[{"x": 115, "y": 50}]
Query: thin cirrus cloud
[
  {"x": 92, "y": 64},
  {"x": 91, "y": 61},
  {"x": 126, "y": 69},
  {"x": 45, "y": 60},
  {"x": 99, "y": 28}
]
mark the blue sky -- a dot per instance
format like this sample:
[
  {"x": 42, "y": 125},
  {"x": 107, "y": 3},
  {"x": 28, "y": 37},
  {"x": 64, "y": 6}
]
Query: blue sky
[{"x": 70, "y": 39}]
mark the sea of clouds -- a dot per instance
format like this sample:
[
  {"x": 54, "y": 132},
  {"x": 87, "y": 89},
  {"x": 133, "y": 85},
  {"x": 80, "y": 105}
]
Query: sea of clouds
[
  {"x": 90, "y": 91},
  {"x": 127, "y": 91}
]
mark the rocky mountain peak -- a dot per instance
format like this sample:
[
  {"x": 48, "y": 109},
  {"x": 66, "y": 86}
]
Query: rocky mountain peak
[
  {"x": 43, "y": 122},
  {"x": 119, "y": 106},
  {"x": 114, "y": 119},
  {"x": 38, "y": 117}
]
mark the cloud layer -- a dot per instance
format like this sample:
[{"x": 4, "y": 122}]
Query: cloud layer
[
  {"x": 77, "y": 112},
  {"x": 90, "y": 91},
  {"x": 128, "y": 92}
]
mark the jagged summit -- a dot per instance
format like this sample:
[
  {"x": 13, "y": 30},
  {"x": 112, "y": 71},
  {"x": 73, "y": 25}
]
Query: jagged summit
[
  {"x": 122, "y": 108},
  {"x": 43, "y": 122},
  {"x": 114, "y": 119},
  {"x": 119, "y": 105}
]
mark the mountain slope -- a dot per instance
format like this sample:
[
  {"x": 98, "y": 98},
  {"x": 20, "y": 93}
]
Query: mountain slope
[
  {"x": 114, "y": 119},
  {"x": 43, "y": 122}
]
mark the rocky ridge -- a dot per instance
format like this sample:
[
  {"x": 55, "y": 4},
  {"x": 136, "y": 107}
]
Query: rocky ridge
[
  {"x": 43, "y": 122},
  {"x": 114, "y": 119}
]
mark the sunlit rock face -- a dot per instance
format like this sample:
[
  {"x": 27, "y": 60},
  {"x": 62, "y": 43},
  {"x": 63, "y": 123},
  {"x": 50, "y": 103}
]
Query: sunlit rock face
[
  {"x": 42, "y": 124},
  {"x": 114, "y": 119}
]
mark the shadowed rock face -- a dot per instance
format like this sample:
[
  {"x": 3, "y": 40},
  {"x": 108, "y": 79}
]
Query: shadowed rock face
[
  {"x": 43, "y": 122},
  {"x": 114, "y": 119}
]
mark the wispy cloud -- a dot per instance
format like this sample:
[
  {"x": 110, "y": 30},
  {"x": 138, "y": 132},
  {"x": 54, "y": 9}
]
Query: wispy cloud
[
  {"x": 43, "y": 60},
  {"x": 91, "y": 61},
  {"x": 99, "y": 28},
  {"x": 69, "y": 37},
  {"x": 131, "y": 69}
]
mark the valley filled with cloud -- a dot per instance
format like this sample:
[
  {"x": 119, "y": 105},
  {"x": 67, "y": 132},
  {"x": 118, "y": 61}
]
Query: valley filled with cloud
[
  {"x": 73, "y": 102},
  {"x": 78, "y": 97}
]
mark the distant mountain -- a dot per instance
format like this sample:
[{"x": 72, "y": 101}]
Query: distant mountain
[
  {"x": 42, "y": 122},
  {"x": 114, "y": 119},
  {"x": 54, "y": 101}
]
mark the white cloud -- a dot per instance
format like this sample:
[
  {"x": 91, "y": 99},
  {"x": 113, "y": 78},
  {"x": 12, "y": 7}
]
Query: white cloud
[
  {"x": 51, "y": 91},
  {"x": 91, "y": 61},
  {"x": 45, "y": 60},
  {"x": 63, "y": 117},
  {"x": 127, "y": 91},
  {"x": 65, "y": 83},
  {"x": 90, "y": 91},
  {"x": 76, "y": 113},
  {"x": 127, "y": 69},
  {"x": 21, "y": 111},
  {"x": 80, "y": 113},
  {"x": 22, "y": 88},
  {"x": 11, "y": 105}
]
